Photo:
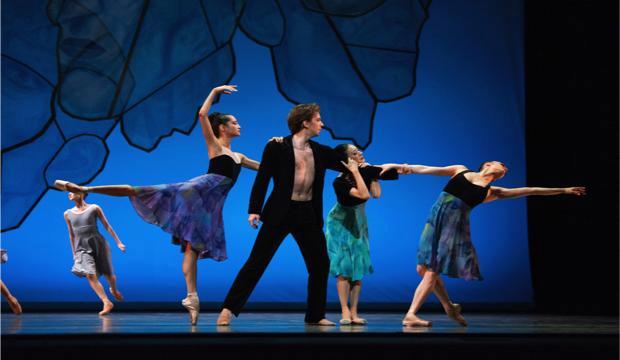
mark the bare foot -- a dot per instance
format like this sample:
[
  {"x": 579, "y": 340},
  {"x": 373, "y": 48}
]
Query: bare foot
[
  {"x": 224, "y": 318},
  {"x": 455, "y": 314},
  {"x": 14, "y": 305},
  {"x": 323, "y": 322},
  {"x": 412, "y": 320},
  {"x": 107, "y": 307},
  {"x": 117, "y": 294}
]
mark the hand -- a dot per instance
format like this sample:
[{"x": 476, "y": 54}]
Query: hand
[
  {"x": 400, "y": 168},
  {"x": 352, "y": 165},
  {"x": 254, "y": 220},
  {"x": 579, "y": 191},
  {"x": 121, "y": 246},
  {"x": 226, "y": 89},
  {"x": 277, "y": 139}
]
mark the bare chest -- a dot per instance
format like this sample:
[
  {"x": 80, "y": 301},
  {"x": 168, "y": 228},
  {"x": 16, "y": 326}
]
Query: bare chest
[{"x": 304, "y": 160}]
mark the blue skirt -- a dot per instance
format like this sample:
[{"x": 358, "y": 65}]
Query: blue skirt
[
  {"x": 445, "y": 245},
  {"x": 191, "y": 211},
  {"x": 347, "y": 242}
]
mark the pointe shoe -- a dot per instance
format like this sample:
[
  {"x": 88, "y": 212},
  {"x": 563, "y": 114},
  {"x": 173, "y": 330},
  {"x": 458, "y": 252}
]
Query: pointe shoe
[
  {"x": 192, "y": 304},
  {"x": 117, "y": 294},
  {"x": 107, "y": 307},
  {"x": 455, "y": 314},
  {"x": 416, "y": 321},
  {"x": 345, "y": 321},
  {"x": 69, "y": 186}
]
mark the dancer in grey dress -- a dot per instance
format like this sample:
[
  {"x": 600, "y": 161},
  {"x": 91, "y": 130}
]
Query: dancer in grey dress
[{"x": 91, "y": 252}]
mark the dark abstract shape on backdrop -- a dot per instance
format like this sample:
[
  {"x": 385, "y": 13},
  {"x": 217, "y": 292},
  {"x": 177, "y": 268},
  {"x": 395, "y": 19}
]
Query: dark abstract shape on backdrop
[{"x": 74, "y": 69}]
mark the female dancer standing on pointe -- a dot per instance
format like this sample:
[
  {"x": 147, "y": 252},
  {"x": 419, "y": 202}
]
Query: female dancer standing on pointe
[
  {"x": 91, "y": 253},
  {"x": 445, "y": 245},
  {"x": 192, "y": 210},
  {"x": 346, "y": 228}
]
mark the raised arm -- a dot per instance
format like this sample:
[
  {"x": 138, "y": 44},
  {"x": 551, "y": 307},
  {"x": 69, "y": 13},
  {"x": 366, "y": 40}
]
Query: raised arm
[
  {"x": 433, "y": 170},
  {"x": 246, "y": 162},
  {"x": 71, "y": 234},
  {"x": 360, "y": 190},
  {"x": 261, "y": 183},
  {"x": 213, "y": 145},
  {"x": 108, "y": 228},
  {"x": 499, "y": 193}
]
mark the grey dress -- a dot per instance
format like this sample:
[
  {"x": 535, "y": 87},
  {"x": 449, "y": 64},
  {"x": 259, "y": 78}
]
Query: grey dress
[{"x": 92, "y": 252}]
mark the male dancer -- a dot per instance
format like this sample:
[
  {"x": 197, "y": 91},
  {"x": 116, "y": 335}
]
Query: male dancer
[{"x": 295, "y": 206}]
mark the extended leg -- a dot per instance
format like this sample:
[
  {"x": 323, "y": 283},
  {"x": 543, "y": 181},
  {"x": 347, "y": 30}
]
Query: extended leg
[
  {"x": 13, "y": 303},
  {"x": 267, "y": 242}
]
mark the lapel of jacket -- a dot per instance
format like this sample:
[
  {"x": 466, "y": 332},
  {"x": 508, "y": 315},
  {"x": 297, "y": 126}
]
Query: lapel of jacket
[
  {"x": 318, "y": 164},
  {"x": 289, "y": 154}
]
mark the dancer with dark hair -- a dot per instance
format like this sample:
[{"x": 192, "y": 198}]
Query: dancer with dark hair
[
  {"x": 347, "y": 228},
  {"x": 191, "y": 210},
  {"x": 91, "y": 253},
  {"x": 295, "y": 206},
  {"x": 445, "y": 245}
]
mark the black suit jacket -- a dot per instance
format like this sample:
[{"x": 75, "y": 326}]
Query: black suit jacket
[{"x": 278, "y": 162}]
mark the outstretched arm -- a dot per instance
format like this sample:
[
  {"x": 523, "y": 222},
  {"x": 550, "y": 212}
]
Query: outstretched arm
[
  {"x": 246, "y": 162},
  {"x": 433, "y": 170},
  {"x": 71, "y": 235},
  {"x": 109, "y": 229},
  {"x": 499, "y": 193},
  {"x": 213, "y": 145}
]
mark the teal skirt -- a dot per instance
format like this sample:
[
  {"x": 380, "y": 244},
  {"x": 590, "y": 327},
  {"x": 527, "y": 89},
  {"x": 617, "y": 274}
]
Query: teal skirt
[
  {"x": 445, "y": 245},
  {"x": 347, "y": 242}
]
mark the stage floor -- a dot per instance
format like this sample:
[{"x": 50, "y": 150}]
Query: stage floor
[
  {"x": 378, "y": 323},
  {"x": 270, "y": 335}
]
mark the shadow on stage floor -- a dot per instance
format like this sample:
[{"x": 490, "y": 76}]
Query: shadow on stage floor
[{"x": 271, "y": 335}]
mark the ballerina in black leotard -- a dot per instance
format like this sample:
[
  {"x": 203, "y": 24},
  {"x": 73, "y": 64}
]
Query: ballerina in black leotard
[
  {"x": 445, "y": 245},
  {"x": 191, "y": 210}
]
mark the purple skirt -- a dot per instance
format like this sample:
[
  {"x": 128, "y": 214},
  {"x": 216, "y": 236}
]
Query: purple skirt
[{"x": 191, "y": 211}]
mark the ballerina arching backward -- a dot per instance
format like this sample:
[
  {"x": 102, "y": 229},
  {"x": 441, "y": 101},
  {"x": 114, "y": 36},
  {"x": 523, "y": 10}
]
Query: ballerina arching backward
[
  {"x": 191, "y": 210},
  {"x": 445, "y": 245}
]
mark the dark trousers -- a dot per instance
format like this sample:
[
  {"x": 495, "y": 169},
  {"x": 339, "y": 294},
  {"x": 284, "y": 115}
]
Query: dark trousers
[{"x": 301, "y": 222}]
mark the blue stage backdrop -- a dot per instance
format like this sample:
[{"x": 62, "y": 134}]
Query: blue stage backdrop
[{"x": 467, "y": 107}]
